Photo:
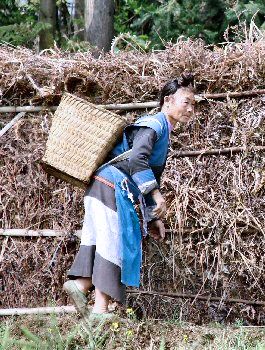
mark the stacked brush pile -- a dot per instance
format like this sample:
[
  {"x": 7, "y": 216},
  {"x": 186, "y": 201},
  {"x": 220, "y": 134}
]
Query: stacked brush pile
[{"x": 216, "y": 206}]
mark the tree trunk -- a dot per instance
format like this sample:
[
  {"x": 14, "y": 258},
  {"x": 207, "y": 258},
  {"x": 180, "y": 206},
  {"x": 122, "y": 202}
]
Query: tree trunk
[
  {"x": 99, "y": 23},
  {"x": 79, "y": 19},
  {"x": 48, "y": 16}
]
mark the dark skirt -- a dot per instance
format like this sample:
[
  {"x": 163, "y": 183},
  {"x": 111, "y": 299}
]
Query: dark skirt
[{"x": 99, "y": 254}]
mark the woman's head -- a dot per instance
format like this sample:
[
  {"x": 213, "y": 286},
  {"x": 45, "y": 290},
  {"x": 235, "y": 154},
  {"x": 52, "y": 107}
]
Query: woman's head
[{"x": 177, "y": 99}]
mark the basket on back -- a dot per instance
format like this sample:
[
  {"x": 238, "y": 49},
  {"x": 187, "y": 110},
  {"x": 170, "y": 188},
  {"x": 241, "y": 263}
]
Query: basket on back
[{"x": 79, "y": 140}]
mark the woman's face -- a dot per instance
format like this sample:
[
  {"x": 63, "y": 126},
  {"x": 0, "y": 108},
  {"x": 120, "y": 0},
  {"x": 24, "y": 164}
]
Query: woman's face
[{"x": 180, "y": 106}]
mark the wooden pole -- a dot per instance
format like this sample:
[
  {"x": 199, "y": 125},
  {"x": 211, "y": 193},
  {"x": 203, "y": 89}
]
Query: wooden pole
[
  {"x": 135, "y": 105},
  {"x": 128, "y": 106},
  {"x": 30, "y": 109},
  {"x": 17, "y": 232},
  {"x": 37, "y": 233},
  {"x": 10, "y": 124},
  {"x": 38, "y": 310},
  {"x": 199, "y": 297},
  {"x": 227, "y": 94},
  {"x": 218, "y": 151},
  {"x": 3, "y": 249},
  {"x": 52, "y": 233}
]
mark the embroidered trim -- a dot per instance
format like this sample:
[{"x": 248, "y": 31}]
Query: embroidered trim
[
  {"x": 147, "y": 186},
  {"x": 104, "y": 181}
]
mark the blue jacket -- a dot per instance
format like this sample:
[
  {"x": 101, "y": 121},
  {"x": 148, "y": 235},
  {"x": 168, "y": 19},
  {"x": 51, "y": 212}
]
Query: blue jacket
[
  {"x": 148, "y": 138},
  {"x": 147, "y": 176}
]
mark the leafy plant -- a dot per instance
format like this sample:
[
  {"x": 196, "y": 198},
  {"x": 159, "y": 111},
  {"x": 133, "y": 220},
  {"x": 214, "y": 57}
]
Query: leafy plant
[
  {"x": 245, "y": 11},
  {"x": 162, "y": 21},
  {"x": 5, "y": 337},
  {"x": 19, "y": 23},
  {"x": 21, "y": 34}
]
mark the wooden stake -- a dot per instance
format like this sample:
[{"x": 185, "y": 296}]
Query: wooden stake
[
  {"x": 38, "y": 310},
  {"x": 128, "y": 106},
  {"x": 218, "y": 151},
  {"x": 137, "y": 105},
  {"x": 227, "y": 94},
  {"x": 10, "y": 124},
  {"x": 13, "y": 109},
  {"x": 52, "y": 233},
  {"x": 37, "y": 233},
  {"x": 199, "y": 297},
  {"x": 31, "y": 109},
  {"x": 3, "y": 249}
]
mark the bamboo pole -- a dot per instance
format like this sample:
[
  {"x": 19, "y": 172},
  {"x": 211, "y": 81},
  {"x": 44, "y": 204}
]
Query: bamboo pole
[
  {"x": 3, "y": 249},
  {"x": 17, "y": 232},
  {"x": 199, "y": 297},
  {"x": 13, "y": 109},
  {"x": 37, "y": 233},
  {"x": 53, "y": 233},
  {"x": 249, "y": 93},
  {"x": 31, "y": 109},
  {"x": 136, "y": 105},
  {"x": 218, "y": 151},
  {"x": 128, "y": 106},
  {"x": 38, "y": 310},
  {"x": 11, "y": 123}
]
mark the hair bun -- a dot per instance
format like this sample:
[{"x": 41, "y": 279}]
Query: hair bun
[{"x": 186, "y": 79}]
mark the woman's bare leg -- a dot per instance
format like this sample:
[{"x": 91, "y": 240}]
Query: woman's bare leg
[
  {"x": 83, "y": 283},
  {"x": 101, "y": 302}
]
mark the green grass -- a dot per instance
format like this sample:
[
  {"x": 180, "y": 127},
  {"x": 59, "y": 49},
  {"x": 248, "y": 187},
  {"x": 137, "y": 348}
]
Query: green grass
[{"x": 69, "y": 332}]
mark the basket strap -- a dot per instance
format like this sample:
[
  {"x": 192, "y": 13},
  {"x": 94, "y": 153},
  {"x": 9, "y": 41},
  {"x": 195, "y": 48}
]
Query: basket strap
[{"x": 123, "y": 156}]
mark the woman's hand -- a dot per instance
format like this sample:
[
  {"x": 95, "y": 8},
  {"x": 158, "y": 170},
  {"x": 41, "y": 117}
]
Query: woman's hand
[
  {"x": 156, "y": 229},
  {"x": 160, "y": 210}
]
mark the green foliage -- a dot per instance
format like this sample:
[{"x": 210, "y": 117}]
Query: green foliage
[
  {"x": 165, "y": 21},
  {"x": 21, "y": 34},
  {"x": 9, "y": 12},
  {"x": 74, "y": 45},
  {"x": 129, "y": 41},
  {"x": 162, "y": 345},
  {"x": 18, "y": 24},
  {"x": 13, "y": 13},
  {"x": 50, "y": 336},
  {"x": 144, "y": 24},
  {"x": 162, "y": 21},
  {"x": 48, "y": 333},
  {"x": 4, "y": 337},
  {"x": 51, "y": 339},
  {"x": 244, "y": 10}
]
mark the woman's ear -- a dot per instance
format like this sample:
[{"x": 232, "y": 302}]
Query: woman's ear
[{"x": 166, "y": 98}]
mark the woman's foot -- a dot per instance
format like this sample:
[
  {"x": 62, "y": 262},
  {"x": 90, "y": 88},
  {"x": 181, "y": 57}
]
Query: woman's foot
[
  {"x": 95, "y": 319},
  {"x": 77, "y": 296},
  {"x": 101, "y": 302},
  {"x": 102, "y": 316}
]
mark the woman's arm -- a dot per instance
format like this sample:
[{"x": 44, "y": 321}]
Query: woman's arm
[
  {"x": 143, "y": 175},
  {"x": 139, "y": 167}
]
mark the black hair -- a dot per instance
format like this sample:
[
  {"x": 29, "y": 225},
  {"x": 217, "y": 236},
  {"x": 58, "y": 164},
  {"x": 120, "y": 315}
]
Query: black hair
[{"x": 186, "y": 80}]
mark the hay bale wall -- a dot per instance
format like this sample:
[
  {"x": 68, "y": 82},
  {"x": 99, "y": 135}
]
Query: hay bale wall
[{"x": 215, "y": 203}]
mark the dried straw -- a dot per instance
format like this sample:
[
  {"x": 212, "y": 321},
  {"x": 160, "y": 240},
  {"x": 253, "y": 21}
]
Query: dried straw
[{"x": 218, "y": 199}]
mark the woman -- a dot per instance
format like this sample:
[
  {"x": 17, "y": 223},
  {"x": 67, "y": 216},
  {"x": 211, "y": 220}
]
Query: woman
[{"x": 110, "y": 252}]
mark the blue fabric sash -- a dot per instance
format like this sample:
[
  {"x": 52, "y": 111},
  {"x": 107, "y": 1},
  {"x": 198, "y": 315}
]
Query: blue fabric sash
[{"x": 129, "y": 227}]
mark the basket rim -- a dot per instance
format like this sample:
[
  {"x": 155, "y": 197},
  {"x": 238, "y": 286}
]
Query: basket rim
[
  {"x": 62, "y": 175},
  {"x": 67, "y": 94}
]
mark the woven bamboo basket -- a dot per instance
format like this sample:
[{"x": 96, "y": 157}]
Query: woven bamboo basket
[{"x": 81, "y": 136}]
